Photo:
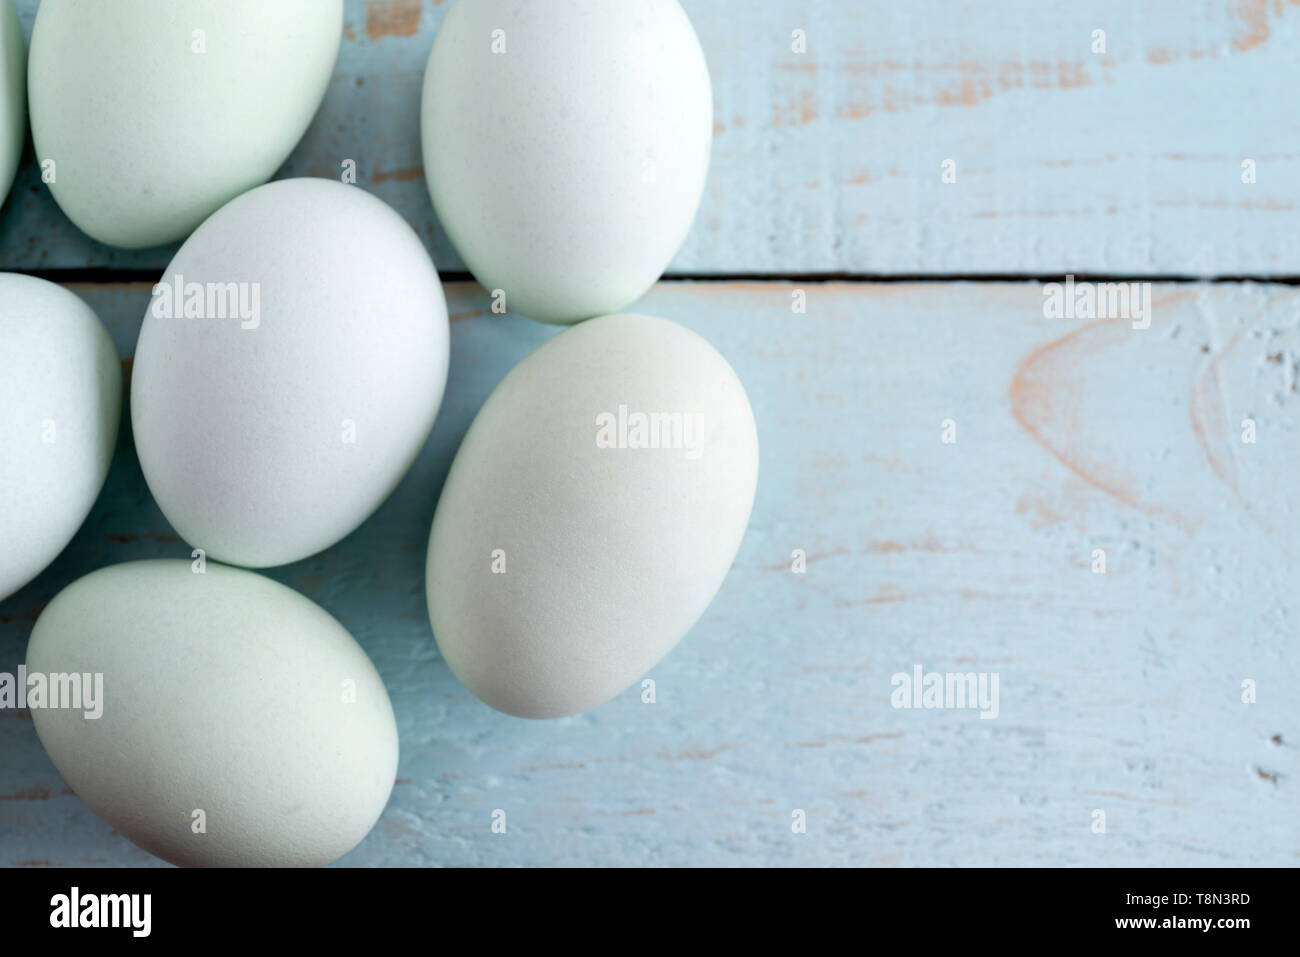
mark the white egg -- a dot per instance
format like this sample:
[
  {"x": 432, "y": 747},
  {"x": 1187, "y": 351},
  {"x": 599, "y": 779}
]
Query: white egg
[
  {"x": 224, "y": 700},
  {"x": 148, "y": 115},
  {"x": 566, "y": 144},
  {"x": 60, "y": 403},
  {"x": 13, "y": 95},
  {"x": 590, "y": 515},
  {"x": 288, "y": 371}
]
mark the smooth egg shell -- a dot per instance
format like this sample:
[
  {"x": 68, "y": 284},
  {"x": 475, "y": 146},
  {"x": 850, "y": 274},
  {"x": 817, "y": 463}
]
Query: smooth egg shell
[
  {"x": 265, "y": 440},
  {"x": 566, "y": 144},
  {"x": 224, "y": 693},
  {"x": 60, "y": 404},
  {"x": 156, "y": 112},
  {"x": 561, "y": 566},
  {"x": 13, "y": 95}
]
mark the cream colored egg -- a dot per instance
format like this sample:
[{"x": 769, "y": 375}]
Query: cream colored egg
[
  {"x": 218, "y": 718},
  {"x": 566, "y": 144},
  {"x": 60, "y": 404},
  {"x": 148, "y": 115},
  {"x": 13, "y": 94},
  {"x": 590, "y": 515},
  {"x": 288, "y": 371}
]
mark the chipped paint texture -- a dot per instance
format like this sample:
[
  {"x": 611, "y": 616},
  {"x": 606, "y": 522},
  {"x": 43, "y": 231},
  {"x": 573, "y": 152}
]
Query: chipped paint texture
[
  {"x": 829, "y": 161},
  {"x": 392, "y": 18}
]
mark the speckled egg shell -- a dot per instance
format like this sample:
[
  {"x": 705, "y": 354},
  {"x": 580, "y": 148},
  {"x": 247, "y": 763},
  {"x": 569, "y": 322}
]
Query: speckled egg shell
[
  {"x": 13, "y": 95},
  {"x": 60, "y": 404},
  {"x": 239, "y": 725},
  {"x": 154, "y": 113},
  {"x": 566, "y": 144},
  {"x": 268, "y": 438},
  {"x": 566, "y": 558}
]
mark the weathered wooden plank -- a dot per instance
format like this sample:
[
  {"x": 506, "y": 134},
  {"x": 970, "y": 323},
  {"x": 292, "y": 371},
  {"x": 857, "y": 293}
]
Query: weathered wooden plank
[
  {"x": 1118, "y": 692},
  {"x": 830, "y": 161}
]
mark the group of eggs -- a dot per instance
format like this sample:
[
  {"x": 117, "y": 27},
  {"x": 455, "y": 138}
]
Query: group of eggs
[{"x": 290, "y": 368}]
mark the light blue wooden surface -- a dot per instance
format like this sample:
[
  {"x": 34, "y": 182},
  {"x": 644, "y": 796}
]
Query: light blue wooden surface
[
  {"x": 1119, "y": 692},
  {"x": 830, "y": 161}
]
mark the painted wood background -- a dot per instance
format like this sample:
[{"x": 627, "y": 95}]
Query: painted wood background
[
  {"x": 830, "y": 161},
  {"x": 1119, "y": 692}
]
